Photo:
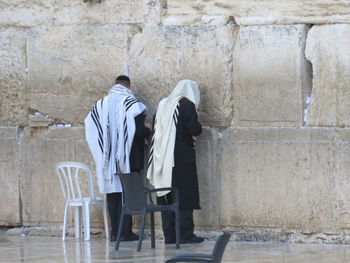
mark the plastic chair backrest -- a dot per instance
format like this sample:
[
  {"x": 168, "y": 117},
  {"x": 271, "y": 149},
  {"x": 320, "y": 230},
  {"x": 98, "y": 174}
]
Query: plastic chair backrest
[
  {"x": 133, "y": 191},
  {"x": 68, "y": 174},
  {"x": 220, "y": 246}
]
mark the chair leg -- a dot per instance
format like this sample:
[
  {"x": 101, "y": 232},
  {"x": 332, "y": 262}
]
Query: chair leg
[
  {"x": 86, "y": 211},
  {"x": 105, "y": 219},
  {"x": 153, "y": 239},
  {"x": 177, "y": 228},
  {"x": 120, "y": 227},
  {"x": 81, "y": 221},
  {"x": 143, "y": 220},
  {"x": 77, "y": 221},
  {"x": 66, "y": 214}
]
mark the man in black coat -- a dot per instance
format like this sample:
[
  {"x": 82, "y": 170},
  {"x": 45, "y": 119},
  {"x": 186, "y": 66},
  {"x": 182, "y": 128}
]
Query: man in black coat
[
  {"x": 173, "y": 158},
  {"x": 184, "y": 176}
]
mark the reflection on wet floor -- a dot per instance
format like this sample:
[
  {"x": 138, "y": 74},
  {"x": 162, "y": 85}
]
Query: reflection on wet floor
[{"x": 53, "y": 249}]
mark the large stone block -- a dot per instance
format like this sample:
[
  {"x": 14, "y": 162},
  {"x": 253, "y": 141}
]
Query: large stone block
[
  {"x": 341, "y": 181},
  {"x": 277, "y": 179},
  {"x": 160, "y": 57},
  {"x": 69, "y": 12},
  {"x": 270, "y": 75},
  {"x": 9, "y": 178},
  {"x": 31, "y": 13},
  {"x": 328, "y": 50},
  {"x": 25, "y": 13},
  {"x": 41, "y": 149},
  {"x": 13, "y": 89},
  {"x": 206, "y": 149},
  {"x": 256, "y": 12},
  {"x": 72, "y": 67}
]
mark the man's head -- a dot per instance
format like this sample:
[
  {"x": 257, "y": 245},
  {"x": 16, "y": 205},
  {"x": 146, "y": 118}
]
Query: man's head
[{"x": 123, "y": 80}]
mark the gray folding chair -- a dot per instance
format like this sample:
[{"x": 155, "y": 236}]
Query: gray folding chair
[
  {"x": 215, "y": 257},
  {"x": 135, "y": 202}
]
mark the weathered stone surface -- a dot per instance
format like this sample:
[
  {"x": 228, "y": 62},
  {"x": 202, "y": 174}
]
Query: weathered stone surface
[
  {"x": 154, "y": 12},
  {"x": 43, "y": 201},
  {"x": 9, "y": 178},
  {"x": 342, "y": 181},
  {"x": 206, "y": 146},
  {"x": 328, "y": 50},
  {"x": 13, "y": 92},
  {"x": 31, "y": 13},
  {"x": 160, "y": 57},
  {"x": 270, "y": 75},
  {"x": 107, "y": 12},
  {"x": 25, "y": 13},
  {"x": 277, "y": 179},
  {"x": 72, "y": 67},
  {"x": 257, "y": 12}
]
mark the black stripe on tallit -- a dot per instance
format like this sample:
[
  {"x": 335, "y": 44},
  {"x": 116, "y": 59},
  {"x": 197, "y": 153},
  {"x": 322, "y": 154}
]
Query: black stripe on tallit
[
  {"x": 128, "y": 107},
  {"x": 97, "y": 124},
  {"x": 100, "y": 134},
  {"x": 97, "y": 118},
  {"x": 128, "y": 101},
  {"x": 125, "y": 137},
  {"x": 176, "y": 114},
  {"x": 152, "y": 144}
]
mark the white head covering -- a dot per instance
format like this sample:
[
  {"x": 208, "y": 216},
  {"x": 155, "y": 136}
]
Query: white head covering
[
  {"x": 188, "y": 89},
  {"x": 162, "y": 153}
]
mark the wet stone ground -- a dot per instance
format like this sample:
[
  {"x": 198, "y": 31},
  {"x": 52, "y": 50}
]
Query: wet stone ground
[{"x": 53, "y": 249}]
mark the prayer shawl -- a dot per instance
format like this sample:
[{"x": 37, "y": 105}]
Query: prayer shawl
[
  {"x": 161, "y": 160},
  {"x": 110, "y": 130}
]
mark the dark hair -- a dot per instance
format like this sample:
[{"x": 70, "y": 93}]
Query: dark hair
[{"x": 123, "y": 80}]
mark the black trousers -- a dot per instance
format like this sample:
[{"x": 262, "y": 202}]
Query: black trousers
[
  {"x": 168, "y": 221},
  {"x": 114, "y": 203}
]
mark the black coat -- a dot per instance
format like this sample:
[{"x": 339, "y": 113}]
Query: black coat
[
  {"x": 138, "y": 144},
  {"x": 185, "y": 171}
]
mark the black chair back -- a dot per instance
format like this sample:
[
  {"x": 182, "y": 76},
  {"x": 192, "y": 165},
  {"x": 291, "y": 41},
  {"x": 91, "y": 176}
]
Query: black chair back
[
  {"x": 133, "y": 191},
  {"x": 220, "y": 246}
]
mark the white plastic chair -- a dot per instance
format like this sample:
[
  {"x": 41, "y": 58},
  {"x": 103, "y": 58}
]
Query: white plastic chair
[{"x": 69, "y": 174}]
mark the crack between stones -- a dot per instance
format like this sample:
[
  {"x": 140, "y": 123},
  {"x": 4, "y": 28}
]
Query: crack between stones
[
  {"x": 307, "y": 80},
  {"x": 19, "y": 136}
]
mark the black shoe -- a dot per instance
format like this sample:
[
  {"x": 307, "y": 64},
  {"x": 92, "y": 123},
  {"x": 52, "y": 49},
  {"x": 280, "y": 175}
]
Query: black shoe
[
  {"x": 192, "y": 239},
  {"x": 170, "y": 241},
  {"x": 131, "y": 237},
  {"x": 113, "y": 238}
]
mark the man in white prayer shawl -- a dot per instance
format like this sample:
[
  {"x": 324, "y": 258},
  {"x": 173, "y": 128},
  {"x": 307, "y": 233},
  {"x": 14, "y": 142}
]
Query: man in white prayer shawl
[
  {"x": 115, "y": 131},
  {"x": 172, "y": 159}
]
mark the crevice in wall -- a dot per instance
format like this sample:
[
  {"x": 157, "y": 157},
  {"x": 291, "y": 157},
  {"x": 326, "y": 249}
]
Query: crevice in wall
[
  {"x": 61, "y": 125},
  {"x": 19, "y": 136},
  {"x": 233, "y": 116},
  {"x": 307, "y": 80},
  {"x": 40, "y": 119},
  {"x": 132, "y": 31}
]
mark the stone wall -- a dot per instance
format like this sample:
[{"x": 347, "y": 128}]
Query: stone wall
[{"x": 274, "y": 80}]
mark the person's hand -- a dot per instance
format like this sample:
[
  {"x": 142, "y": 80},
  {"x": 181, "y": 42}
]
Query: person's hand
[{"x": 148, "y": 125}]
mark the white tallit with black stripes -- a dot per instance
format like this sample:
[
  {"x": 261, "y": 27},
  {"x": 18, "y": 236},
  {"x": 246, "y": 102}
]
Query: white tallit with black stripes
[
  {"x": 110, "y": 130},
  {"x": 161, "y": 160}
]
